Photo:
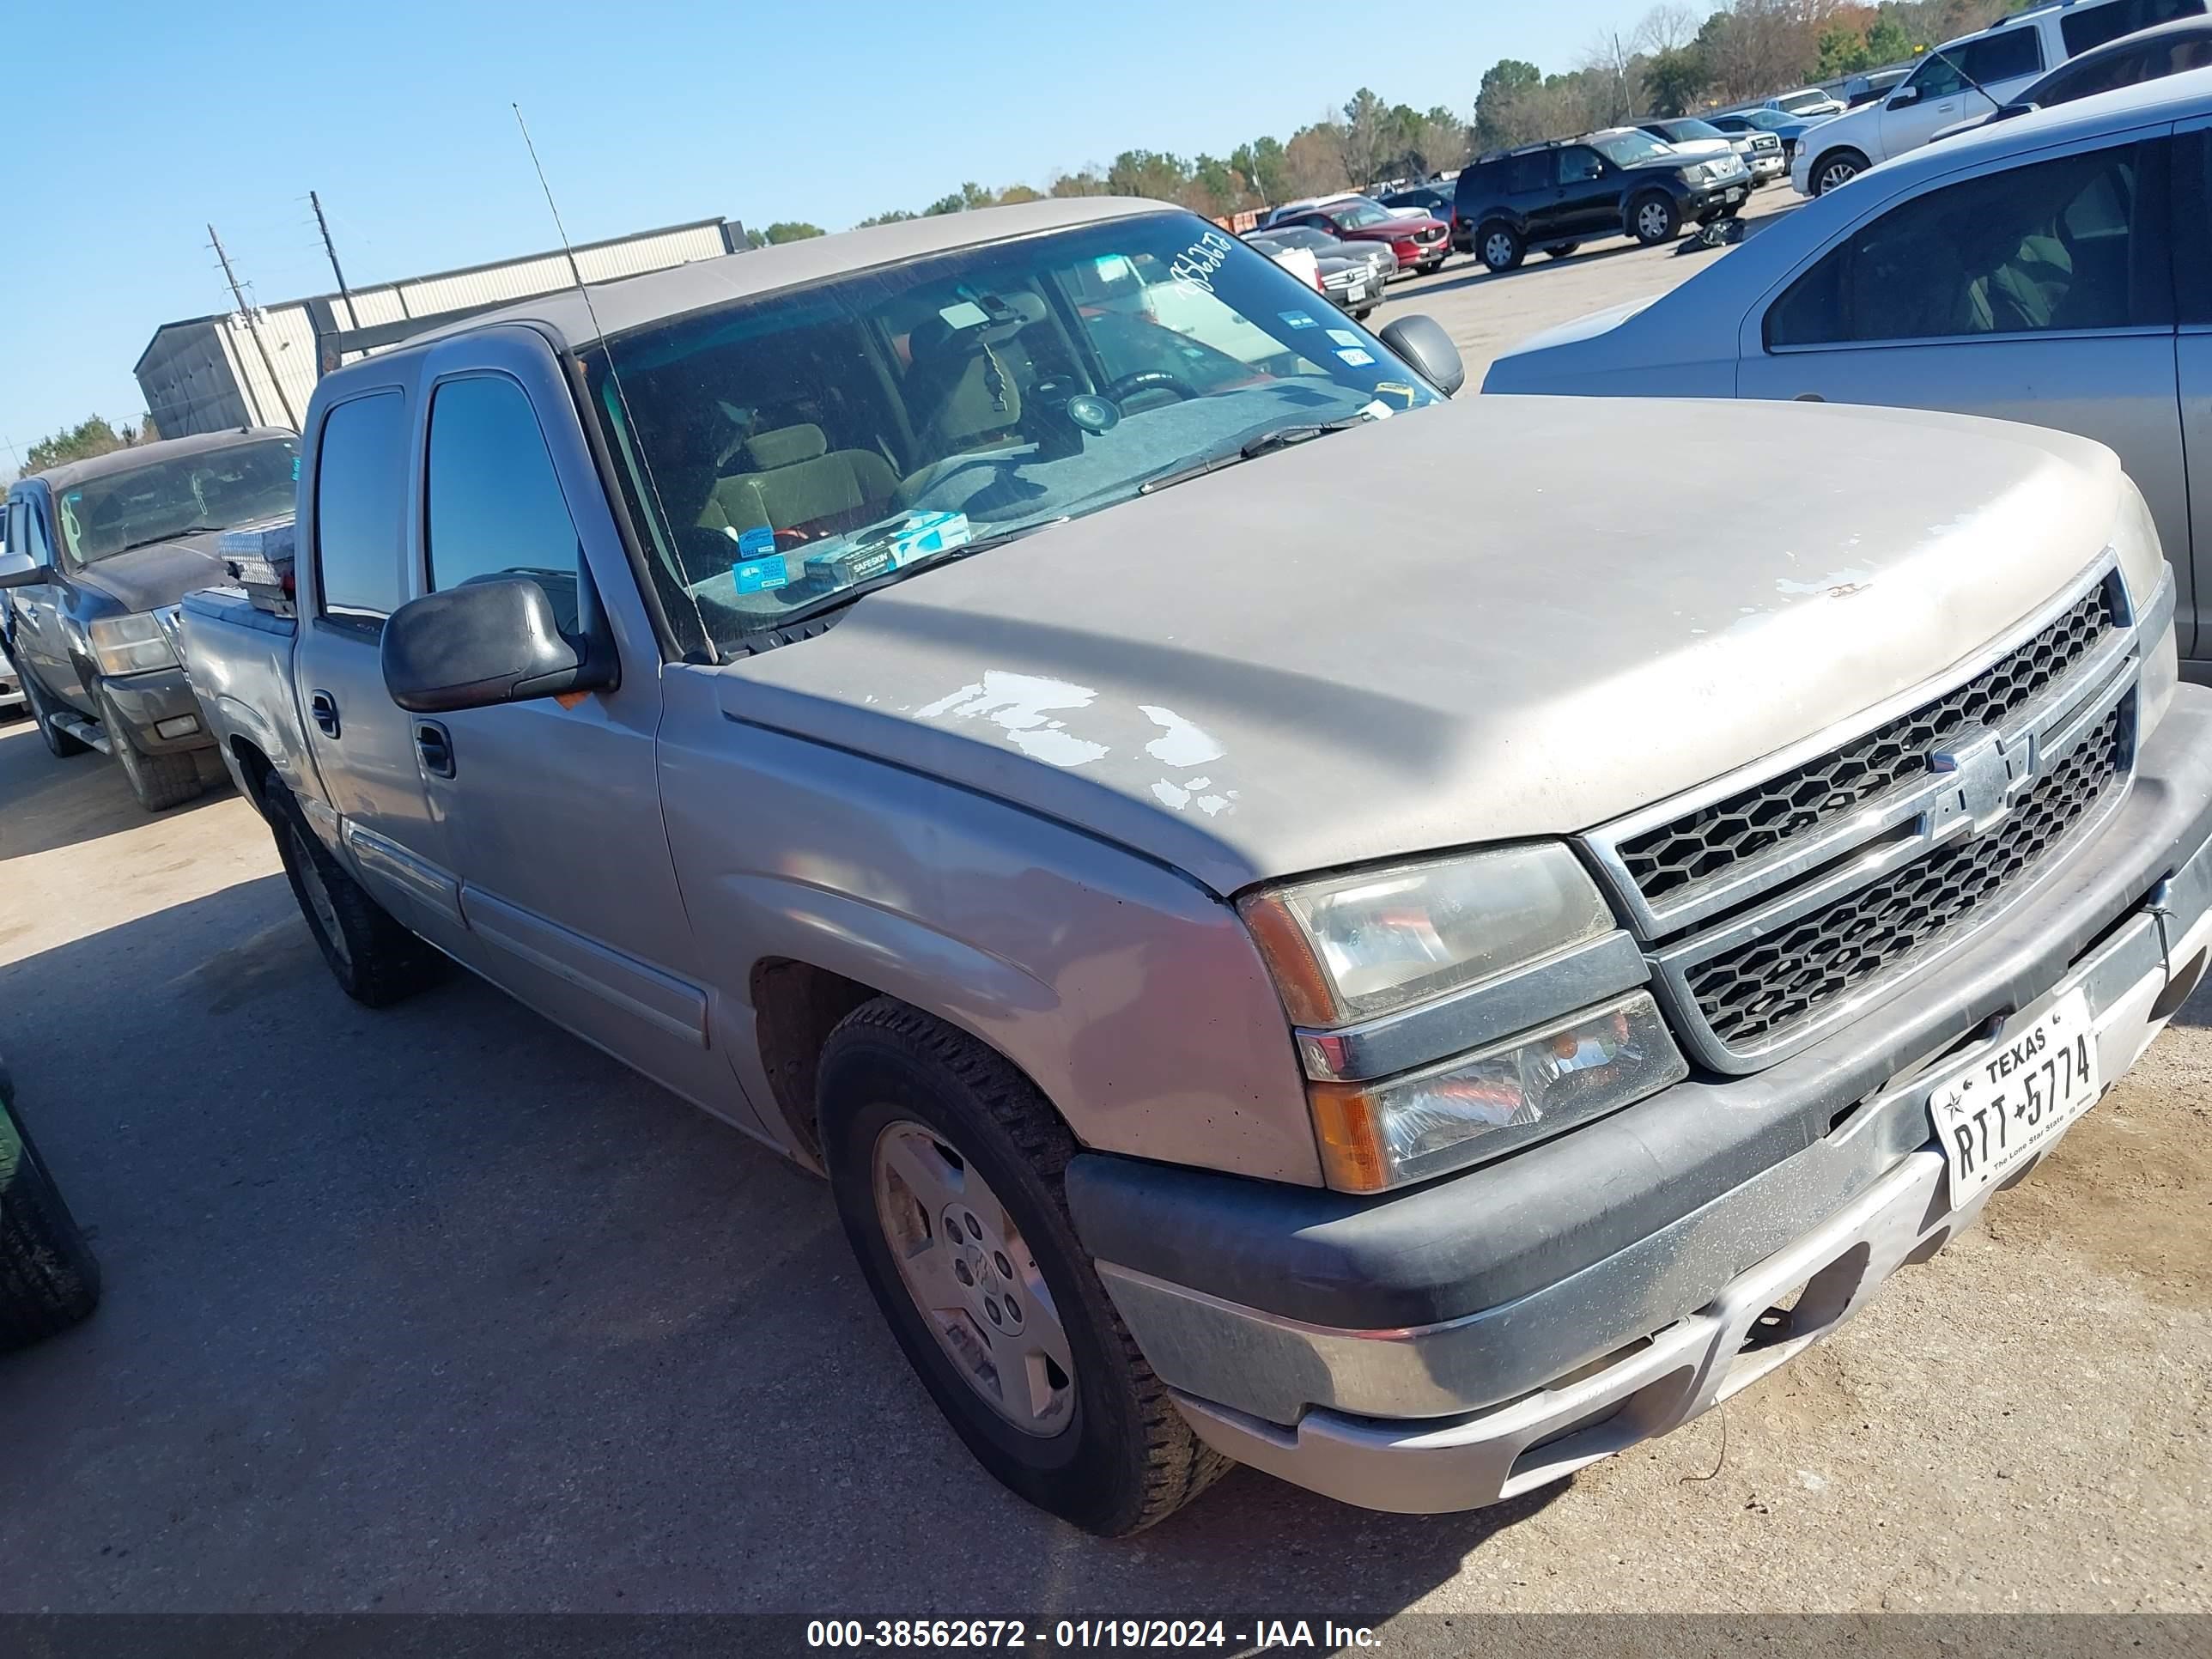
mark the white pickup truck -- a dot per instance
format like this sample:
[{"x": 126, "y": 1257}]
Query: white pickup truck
[{"x": 1415, "y": 1012}]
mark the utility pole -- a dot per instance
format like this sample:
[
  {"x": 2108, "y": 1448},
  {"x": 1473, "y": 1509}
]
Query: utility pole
[
  {"x": 253, "y": 327},
  {"x": 344, "y": 293}
]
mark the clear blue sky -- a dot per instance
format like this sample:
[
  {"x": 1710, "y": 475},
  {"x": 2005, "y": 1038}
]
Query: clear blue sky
[{"x": 136, "y": 124}]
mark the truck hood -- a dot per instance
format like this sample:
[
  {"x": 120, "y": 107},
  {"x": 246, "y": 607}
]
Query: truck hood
[
  {"x": 1557, "y": 610},
  {"x": 148, "y": 577}
]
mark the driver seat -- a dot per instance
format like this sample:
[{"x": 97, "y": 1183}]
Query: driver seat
[{"x": 966, "y": 385}]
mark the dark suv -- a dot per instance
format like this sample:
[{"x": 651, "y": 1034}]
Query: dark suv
[
  {"x": 1556, "y": 195},
  {"x": 98, "y": 553}
]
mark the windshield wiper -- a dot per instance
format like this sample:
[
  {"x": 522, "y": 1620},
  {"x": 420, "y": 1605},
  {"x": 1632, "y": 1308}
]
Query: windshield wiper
[
  {"x": 845, "y": 596},
  {"x": 1251, "y": 449},
  {"x": 167, "y": 536}
]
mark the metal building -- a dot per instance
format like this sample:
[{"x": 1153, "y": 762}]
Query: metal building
[{"x": 205, "y": 373}]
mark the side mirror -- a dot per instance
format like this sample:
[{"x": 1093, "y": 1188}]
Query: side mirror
[
  {"x": 22, "y": 570},
  {"x": 482, "y": 643},
  {"x": 1422, "y": 342},
  {"x": 1903, "y": 96}
]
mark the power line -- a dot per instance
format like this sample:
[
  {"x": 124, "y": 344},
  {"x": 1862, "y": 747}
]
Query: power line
[{"x": 253, "y": 327}]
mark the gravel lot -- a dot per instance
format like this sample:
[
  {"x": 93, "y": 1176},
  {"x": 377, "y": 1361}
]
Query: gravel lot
[{"x": 438, "y": 1309}]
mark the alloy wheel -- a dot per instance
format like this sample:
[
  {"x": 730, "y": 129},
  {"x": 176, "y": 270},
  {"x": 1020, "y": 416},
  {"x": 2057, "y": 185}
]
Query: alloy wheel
[
  {"x": 1497, "y": 252},
  {"x": 1651, "y": 220},
  {"x": 318, "y": 896}
]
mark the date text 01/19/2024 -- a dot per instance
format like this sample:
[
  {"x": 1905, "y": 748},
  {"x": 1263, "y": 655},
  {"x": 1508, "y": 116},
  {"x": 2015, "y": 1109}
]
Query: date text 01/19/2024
[{"x": 1322, "y": 1635}]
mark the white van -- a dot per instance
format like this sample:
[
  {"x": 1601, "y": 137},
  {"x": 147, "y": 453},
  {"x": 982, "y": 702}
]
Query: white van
[{"x": 1969, "y": 78}]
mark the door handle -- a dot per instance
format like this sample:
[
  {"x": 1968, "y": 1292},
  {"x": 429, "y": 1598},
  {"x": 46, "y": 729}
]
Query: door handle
[
  {"x": 434, "y": 747},
  {"x": 325, "y": 710}
]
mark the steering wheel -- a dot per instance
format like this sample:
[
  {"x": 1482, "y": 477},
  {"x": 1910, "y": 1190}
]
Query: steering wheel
[{"x": 1152, "y": 379}]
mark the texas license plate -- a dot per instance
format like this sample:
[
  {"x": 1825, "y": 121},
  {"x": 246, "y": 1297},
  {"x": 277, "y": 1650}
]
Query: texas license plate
[
  {"x": 1356, "y": 292},
  {"x": 1996, "y": 1113}
]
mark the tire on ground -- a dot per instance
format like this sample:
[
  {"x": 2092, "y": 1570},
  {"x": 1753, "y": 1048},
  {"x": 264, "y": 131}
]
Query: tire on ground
[
  {"x": 158, "y": 781},
  {"x": 1849, "y": 163},
  {"x": 1499, "y": 246},
  {"x": 1563, "y": 249},
  {"x": 59, "y": 743},
  {"x": 1126, "y": 1458},
  {"x": 49, "y": 1280},
  {"x": 376, "y": 961},
  {"x": 1662, "y": 228}
]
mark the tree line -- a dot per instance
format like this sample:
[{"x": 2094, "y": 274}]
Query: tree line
[{"x": 1678, "y": 59}]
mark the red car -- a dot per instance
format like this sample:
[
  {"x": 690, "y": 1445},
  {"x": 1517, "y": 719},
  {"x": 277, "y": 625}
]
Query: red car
[{"x": 1421, "y": 241}]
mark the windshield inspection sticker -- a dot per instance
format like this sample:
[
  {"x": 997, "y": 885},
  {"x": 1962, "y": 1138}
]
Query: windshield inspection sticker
[
  {"x": 1295, "y": 319},
  {"x": 1344, "y": 337},
  {"x": 758, "y": 575},
  {"x": 755, "y": 543},
  {"x": 1356, "y": 358}
]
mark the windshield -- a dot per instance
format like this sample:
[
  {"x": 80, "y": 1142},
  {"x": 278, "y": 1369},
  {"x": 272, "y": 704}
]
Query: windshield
[
  {"x": 213, "y": 489},
  {"x": 1301, "y": 236},
  {"x": 1772, "y": 120},
  {"x": 1693, "y": 130},
  {"x": 1797, "y": 102},
  {"x": 1357, "y": 215},
  {"x": 780, "y": 451}
]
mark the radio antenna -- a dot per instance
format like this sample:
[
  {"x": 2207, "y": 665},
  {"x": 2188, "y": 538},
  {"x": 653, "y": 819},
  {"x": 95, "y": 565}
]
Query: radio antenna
[{"x": 636, "y": 439}]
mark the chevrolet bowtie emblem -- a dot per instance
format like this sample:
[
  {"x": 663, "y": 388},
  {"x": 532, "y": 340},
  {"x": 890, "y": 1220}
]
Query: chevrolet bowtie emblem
[{"x": 1977, "y": 780}]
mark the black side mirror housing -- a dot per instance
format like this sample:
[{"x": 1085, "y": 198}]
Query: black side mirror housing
[
  {"x": 1422, "y": 342},
  {"x": 486, "y": 642}
]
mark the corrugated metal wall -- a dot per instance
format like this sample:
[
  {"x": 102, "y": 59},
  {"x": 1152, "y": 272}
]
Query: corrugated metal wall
[{"x": 206, "y": 374}]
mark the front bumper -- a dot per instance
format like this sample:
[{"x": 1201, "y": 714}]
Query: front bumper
[
  {"x": 1718, "y": 196},
  {"x": 1447, "y": 1347},
  {"x": 148, "y": 701}
]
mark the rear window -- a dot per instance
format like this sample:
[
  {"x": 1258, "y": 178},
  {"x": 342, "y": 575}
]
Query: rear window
[
  {"x": 2090, "y": 26},
  {"x": 361, "y": 487}
]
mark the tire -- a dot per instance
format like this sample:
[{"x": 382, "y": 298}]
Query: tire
[
  {"x": 49, "y": 1280},
  {"x": 59, "y": 743},
  {"x": 159, "y": 782},
  {"x": 1563, "y": 249},
  {"x": 1653, "y": 218},
  {"x": 376, "y": 961},
  {"x": 1836, "y": 168},
  {"x": 1107, "y": 1452},
  {"x": 1500, "y": 246},
  {"x": 1362, "y": 315}
]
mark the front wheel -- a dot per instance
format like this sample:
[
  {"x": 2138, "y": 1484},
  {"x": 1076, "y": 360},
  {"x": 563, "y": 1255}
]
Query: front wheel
[
  {"x": 158, "y": 781},
  {"x": 1501, "y": 246},
  {"x": 49, "y": 1280},
  {"x": 946, "y": 1164},
  {"x": 376, "y": 961},
  {"x": 1654, "y": 219},
  {"x": 1836, "y": 168},
  {"x": 59, "y": 743}
]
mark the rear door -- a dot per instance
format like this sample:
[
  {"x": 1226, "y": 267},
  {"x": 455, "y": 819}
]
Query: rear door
[
  {"x": 2037, "y": 291},
  {"x": 356, "y": 484},
  {"x": 568, "y": 886}
]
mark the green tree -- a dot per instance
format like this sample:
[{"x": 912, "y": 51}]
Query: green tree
[
  {"x": 895, "y": 216},
  {"x": 1260, "y": 164},
  {"x": 1087, "y": 181},
  {"x": 1148, "y": 172},
  {"x": 1888, "y": 42},
  {"x": 1843, "y": 52},
  {"x": 91, "y": 436},
  {"x": 783, "y": 230},
  {"x": 1676, "y": 80},
  {"x": 1504, "y": 84}
]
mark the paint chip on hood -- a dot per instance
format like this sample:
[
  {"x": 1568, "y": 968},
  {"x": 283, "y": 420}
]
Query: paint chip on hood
[{"x": 1022, "y": 706}]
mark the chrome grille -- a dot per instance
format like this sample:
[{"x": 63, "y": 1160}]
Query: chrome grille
[
  {"x": 1702, "y": 845},
  {"x": 1770, "y": 983}
]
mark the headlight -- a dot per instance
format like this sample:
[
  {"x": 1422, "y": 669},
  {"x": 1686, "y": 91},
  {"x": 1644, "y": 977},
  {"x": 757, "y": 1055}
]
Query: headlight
[
  {"x": 1377, "y": 1135},
  {"x": 1347, "y": 948},
  {"x": 128, "y": 645}
]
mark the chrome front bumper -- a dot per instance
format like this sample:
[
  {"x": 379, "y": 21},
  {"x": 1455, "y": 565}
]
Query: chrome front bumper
[{"x": 1416, "y": 1462}]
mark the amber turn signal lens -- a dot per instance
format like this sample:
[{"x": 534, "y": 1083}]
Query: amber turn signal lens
[
  {"x": 1350, "y": 1137},
  {"x": 1298, "y": 973}
]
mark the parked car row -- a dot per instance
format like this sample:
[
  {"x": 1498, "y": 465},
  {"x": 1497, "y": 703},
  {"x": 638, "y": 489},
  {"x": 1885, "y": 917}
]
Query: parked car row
[
  {"x": 2054, "y": 268},
  {"x": 1965, "y": 80},
  {"x": 1551, "y": 198}
]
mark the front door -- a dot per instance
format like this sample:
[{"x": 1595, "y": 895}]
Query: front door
[
  {"x": 358, "y": 484},
  {"x": 1589, "y": 196},
  {"x": 41, "y": 633},
  {"x": 2034, "y": 293},
  {"x": 568, "y": 886}
]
